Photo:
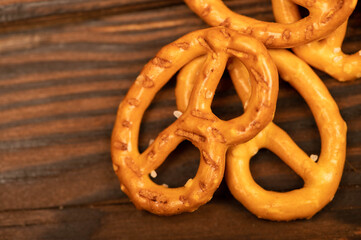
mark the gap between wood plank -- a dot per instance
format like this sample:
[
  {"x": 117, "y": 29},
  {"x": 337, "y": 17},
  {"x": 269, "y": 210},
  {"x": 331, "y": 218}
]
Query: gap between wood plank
[{"x": 117, "y": 202}]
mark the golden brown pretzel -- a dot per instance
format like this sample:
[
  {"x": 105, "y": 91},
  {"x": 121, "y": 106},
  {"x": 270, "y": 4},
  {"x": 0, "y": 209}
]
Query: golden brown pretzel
[
  {"x": 198, "y": 124},
  {"x": 324, "y": 17},
  {"x": 321, "y": 179},
  {"x": 325, "y": 54}
]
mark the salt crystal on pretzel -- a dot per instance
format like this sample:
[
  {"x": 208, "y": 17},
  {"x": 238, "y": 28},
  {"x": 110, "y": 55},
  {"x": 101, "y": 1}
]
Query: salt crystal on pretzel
[
  {"x": 177, "y": 114},
  {"x": 326, "y": 54},
  {"x": 153, "y": 174},
  {"x": 324, "y": 17},
  {"x": 314, "y": 157},
  {"x": 211, "y": 135}
]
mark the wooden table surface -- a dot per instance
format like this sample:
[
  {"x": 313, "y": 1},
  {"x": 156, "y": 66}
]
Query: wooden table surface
[{"x": 65, "y": 66}]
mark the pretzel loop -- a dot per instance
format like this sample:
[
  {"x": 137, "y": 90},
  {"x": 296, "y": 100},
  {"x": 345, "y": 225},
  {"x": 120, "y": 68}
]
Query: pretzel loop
[
  {"x": 198, "y": 124},
  {"x": 326, "y": 54},
  {"x": 320, "y": 179},
  {"x": 325, "y": 15}
]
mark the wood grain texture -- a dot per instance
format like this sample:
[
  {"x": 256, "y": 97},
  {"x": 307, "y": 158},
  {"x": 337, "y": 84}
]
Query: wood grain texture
[
  {"x": 16, "y": 10},
  {"x": 61, "y": 79}
]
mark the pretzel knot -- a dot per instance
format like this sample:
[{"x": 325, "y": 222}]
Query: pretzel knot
[
  {"x": 321, "y": 179},
  {"x": 198, "y": 124},
  {"x": 325, "y": 54},
  {"x": 324, "y": 17}
]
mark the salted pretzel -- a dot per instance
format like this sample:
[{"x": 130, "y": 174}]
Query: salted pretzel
[
  {"x": 198, "y": 124},
  {"x": 321, "y": 179},
  {"x": 326, "y": 54},
  {"x": 324, "y": 17}
]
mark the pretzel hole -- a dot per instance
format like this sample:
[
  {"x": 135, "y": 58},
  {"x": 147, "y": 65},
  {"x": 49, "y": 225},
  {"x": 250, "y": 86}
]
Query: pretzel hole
[
  {"x": 303, "y": 11},
  {"x": 353, "y": 32},
  {"x": 226, "y": 104},
  {"x": 158, "y": 116},
  {"x": 272, "y": 174},
  {"x": 181, "y": 165},
  {"x": 294, "y": 116}
]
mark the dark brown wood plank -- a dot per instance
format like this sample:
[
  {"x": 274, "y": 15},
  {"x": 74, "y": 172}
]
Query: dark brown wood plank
[
  {"x": 61, "y": 80},
  {"x": 19, "y": 10},
  {"x": 39, "y": 101},
  {"x": 16, "y": 10},
  {"x": 220, "y": 219}
]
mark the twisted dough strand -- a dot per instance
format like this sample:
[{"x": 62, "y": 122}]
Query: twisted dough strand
[
  {"x": 197, "y": 124},
  {"x": 324, "y": 17},
  {"x": 326, "y": 54},
  {"x": 321, "y": 179}
]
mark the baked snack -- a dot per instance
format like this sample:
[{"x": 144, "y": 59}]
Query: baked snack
[
  {"x": 197, "y": 124},
  {"x": 321, "y": 179},
  {"x": 326, "y": 54},
  {"x": 324, "y": 17}
]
